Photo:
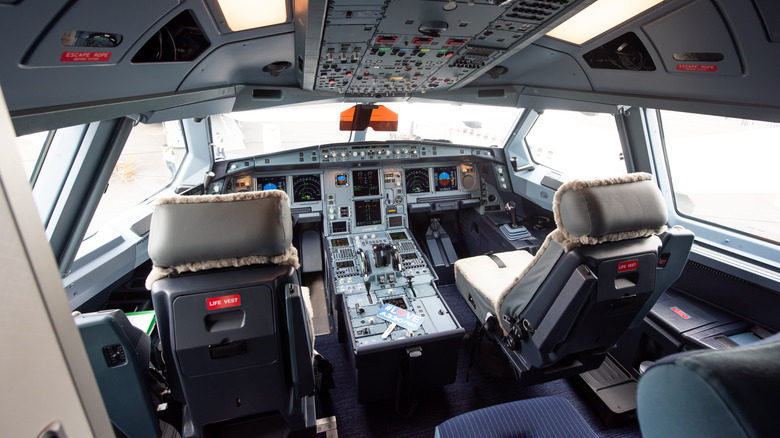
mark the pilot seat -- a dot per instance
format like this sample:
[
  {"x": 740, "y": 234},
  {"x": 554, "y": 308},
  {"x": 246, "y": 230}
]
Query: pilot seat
[
  {"x": 557, "y": 313},
  {"x": 232, "y": 320}
]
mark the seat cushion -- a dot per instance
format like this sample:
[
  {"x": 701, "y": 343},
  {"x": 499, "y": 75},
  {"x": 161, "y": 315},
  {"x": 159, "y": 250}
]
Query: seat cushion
[
  {"x": 552, "y": 417},
  {"x": 485, "y": 282}
]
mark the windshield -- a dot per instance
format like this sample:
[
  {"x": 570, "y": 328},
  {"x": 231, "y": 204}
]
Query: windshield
[{"x": 269, "y": 130}]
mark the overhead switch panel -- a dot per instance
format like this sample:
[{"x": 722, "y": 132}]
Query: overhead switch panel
[{"x": 378, "y": 49}]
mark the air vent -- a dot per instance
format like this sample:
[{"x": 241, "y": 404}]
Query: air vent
[
  {"x": 625, "y": 52},
  {"x": 262, "y": 94},
  {"x": 720, "y": 274},
  {"x": 180, "y": 40}
]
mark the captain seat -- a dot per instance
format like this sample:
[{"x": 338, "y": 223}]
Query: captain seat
[
  {"x": 556, "y": 313},
  {"x": 232, "y": 320}
]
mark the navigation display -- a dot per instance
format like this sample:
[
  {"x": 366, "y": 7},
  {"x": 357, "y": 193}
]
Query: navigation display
[
  {"x": 306, "y": 188},
  {"x": 272, "y": 183},
  {"x": 365, "y": 182},
  {"x": 445, "y": 178},
  {"x": 417, "y": 180},
  {"x": 368, "y": 212}
]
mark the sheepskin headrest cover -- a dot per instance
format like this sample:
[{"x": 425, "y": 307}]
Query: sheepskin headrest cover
[
  {"x": 188, "y": 229},
  {"x": 599, "y": 208}
]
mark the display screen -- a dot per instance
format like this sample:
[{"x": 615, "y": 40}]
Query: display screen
[
  {"x": 339, "y": 242},
  {"x": 395, "y": 221},
  {"x": 417, "y": 180},
  {"x": 365, "y": 182},
  {"x": 368, "y": 212},
  {"x": 339, "y": 227},
  {"x": 445, "y": 178},
  {"x": 400, "y": 235},
  {"x": 306, "y": 188},
  {"x": 341, "y": 179},
  {"x": 397, "y": 302},
  {"x": 272, "y": 183}
]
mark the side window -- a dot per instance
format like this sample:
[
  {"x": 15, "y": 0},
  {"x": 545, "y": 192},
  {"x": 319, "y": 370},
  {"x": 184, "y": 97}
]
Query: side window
[
  {"x": 149, "y": 162},
  {"x": 30, "y": 147},
  {"x": 723, "y": 171},
  {"x": 580, "y": 145}
]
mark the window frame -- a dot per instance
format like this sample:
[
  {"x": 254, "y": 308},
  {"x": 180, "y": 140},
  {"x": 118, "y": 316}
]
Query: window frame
[
  {"x": 690, "y": 216},
  {"x": 538, "y": 114},
  {"x": 146, "y": 200},
  {"x": 742, "y": 251}
]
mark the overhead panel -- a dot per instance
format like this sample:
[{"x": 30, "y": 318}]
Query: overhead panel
[{"x": 383, "y": 49}]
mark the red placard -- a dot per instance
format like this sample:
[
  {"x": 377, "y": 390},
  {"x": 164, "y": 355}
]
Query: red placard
[
  {"x": 628, "y": 266},
  {"x": 223, "y": 302},
  {"x": 682, "y": 314},
  {"x": 697, "y": 67},
  {"x": 85, "y": 56}
]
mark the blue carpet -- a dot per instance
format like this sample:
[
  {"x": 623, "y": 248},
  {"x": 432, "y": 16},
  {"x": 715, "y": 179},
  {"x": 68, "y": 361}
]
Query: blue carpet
[{"x": 380, "y": 419}]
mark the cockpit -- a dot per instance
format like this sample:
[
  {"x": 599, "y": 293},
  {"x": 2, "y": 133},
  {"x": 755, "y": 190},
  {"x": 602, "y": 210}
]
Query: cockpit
[{"x": 391, "y": 217}]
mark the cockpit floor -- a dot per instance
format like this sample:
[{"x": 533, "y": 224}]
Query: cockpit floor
[{"x": 435, "y": 406}]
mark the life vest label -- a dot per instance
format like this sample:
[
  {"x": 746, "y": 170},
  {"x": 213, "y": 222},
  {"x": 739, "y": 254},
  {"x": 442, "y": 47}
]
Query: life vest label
[
  {"x": 223, "y": 302},
  {"x": 628, "y": 266}
]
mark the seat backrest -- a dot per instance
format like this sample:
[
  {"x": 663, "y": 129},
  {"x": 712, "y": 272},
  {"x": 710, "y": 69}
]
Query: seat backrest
[
  {"x": 592, "y": 275},
  {"x": 229, "y": 310},
  {"x": 731, "y": 392}
]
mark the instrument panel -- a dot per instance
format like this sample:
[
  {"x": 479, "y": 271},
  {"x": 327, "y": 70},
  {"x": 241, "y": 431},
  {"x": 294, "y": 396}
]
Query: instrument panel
[{"x": 358, "y": 189}]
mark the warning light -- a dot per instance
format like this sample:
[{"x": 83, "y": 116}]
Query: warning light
[
  {"x": 386, "y": 40},
  {"x": 422, "y": 41}
]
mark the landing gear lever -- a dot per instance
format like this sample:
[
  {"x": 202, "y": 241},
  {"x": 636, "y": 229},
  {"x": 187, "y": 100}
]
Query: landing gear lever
[{"x": 512, "y": 209}]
